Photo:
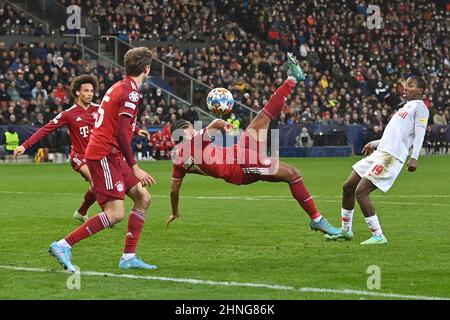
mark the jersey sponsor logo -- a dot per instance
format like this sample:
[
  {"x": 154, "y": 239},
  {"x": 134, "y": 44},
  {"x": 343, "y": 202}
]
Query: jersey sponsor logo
[
  {"x": 84, "y": 131},
  {"x": 119, "y": 186},
  {"x": 79, "y": 119},
  {"x": 134, "y": 96},
  {"x": 130, "y": 105}
]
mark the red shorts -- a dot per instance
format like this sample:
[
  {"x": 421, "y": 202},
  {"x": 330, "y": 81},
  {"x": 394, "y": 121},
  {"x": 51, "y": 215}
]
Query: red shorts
[
  {"x": 252, "y": 164},
  {"x": 112, "y": 178}
]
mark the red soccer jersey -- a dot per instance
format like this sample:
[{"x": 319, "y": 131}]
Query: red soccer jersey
[
  {"x": 80, "y": 122},
  {"x": 122, "y": 98},
  {"x": 200, "y": 156}
]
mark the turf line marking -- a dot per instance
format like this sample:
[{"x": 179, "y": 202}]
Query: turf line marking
[
  {"x": 234, "y": 284},
  {"x": 231, "y": 197},
  {"x": 266, "y": 198}
]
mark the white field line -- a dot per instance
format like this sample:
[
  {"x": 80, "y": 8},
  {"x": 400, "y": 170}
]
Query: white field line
[
  {"x": 272, "y": 198},
  {"x": 236, "y": 284},
  {"x": 241, "y": 197}
]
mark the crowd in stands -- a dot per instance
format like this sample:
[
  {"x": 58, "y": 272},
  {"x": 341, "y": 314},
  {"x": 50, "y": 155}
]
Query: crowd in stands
[
  {"x": 13, "y": 22},
  {"x": 355, "y": 74}
]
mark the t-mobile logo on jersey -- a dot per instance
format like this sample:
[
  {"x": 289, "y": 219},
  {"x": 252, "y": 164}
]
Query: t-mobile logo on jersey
[{"x": 84, "y": 131}]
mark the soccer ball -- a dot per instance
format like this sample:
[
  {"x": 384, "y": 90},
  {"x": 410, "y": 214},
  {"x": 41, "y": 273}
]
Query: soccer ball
[{"x": 220, "y": 101}]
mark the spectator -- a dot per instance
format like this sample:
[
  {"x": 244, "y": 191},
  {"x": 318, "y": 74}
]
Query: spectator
[
  {"x": 4, "y": 95},
  {"x": 192, "y": 115},
  {"x": 235, "y": 123},
  {"x": 439, "y": 118},
  {"x": 429, "y": 142},
  {"x": 304, "y": 139},
  {"x": 23, "y": 86},
  {"x": 441, "y": 141},
  {"x": 39, "y": 91}
]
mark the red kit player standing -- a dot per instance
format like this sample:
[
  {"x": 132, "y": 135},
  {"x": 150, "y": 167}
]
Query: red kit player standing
[
  {"x": 242, "y": 163},
  {"x": 80, "y": 120},
  {"x": 113, "y": 167}
]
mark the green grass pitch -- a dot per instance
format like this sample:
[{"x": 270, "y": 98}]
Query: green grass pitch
[{"x": 254, "y": 234}]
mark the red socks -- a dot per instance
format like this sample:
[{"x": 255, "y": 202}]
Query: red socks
[
  {"x": 303, "y": 197},
  {"x": 276, "y": 102},
  {"x": 135, "y": 223},
  {"x": 101, "y": 221},
  {"x": 89, "y": 228},
  {"x": 89, "y": 199}
]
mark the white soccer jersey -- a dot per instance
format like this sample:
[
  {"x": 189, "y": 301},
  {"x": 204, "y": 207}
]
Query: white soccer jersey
[{"x": 405, "y": 130}]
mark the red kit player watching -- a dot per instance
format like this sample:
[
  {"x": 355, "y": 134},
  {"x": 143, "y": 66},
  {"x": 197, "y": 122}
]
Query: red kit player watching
[
  {"x": 195, "y": 153},
  {"x": 79, "y": 119},
  {"x": 113, "y": 167}
]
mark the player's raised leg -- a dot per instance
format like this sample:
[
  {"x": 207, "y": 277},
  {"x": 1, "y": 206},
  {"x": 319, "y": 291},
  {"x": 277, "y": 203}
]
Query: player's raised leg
[
  {"x": 291, "y": 175},
  {"x": 364, "y": 188},
  {"x": 273, "y": 107},
  {"x": 141, "y": 203}
]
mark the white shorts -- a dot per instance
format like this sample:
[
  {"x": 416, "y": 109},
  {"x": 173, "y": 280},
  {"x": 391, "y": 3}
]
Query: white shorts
[{"x": 381, "y": 168}]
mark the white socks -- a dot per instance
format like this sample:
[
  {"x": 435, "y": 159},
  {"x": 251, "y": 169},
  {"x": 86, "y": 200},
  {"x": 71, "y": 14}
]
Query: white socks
[
  {"x": 63, "y": 243},
  {"x": 128, "y": 256},
  {"x": 347, "y": 219},
  {"x": 374, "y": 225},
  {"x": 292, "y": 79}
]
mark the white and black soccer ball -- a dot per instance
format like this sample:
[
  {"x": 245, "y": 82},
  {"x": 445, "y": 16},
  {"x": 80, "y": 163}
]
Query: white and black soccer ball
[{"x": 220, "y": 101}]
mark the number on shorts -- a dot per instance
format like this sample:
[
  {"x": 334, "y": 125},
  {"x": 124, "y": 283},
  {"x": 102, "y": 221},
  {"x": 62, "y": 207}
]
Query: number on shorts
[{"x": 378, "y": 169}]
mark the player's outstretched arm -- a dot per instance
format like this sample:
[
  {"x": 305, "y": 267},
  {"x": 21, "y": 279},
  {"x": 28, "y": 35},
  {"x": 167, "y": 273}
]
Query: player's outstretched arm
[
  {"x": 53, "y": 125},
  {"x": 175, "y": 199},
  {"x": 219, "y": 124}
]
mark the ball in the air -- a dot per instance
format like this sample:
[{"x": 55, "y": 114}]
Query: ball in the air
[{"x": 220, "y": 101}]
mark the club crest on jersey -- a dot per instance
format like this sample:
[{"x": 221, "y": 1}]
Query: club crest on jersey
[
  {"x": 119, "y": 186},
  {"x": 134, "y": 96},
  {"x": 95, "y": 115}
]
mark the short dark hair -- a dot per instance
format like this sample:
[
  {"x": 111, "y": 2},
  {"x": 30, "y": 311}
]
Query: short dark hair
[
  {"x": 79, "y": 81},
  {"x": 179, "y": 124},
  {"x": 420, "y": 82},
  {"x": 136, "y": 60}
]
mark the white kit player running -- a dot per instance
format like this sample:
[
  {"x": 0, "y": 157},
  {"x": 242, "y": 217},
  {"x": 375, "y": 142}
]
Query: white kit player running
[{"x": 405, "y": 131}]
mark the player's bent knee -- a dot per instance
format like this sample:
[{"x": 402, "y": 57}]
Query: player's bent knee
[
  {"x": 143, "y": 198},
  {"x": 348, "y": 188},
  {"x": 115, "y": 216},
  {"x": 146, "y": 198},
  {"x": 360, "y": 193},
  {"x": 293, "y": 172}
]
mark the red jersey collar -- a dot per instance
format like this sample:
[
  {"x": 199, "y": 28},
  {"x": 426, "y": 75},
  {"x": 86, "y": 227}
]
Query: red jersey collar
[
  {"x": 78, "y": 105},
  {"x": 132, "y": 80}
]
